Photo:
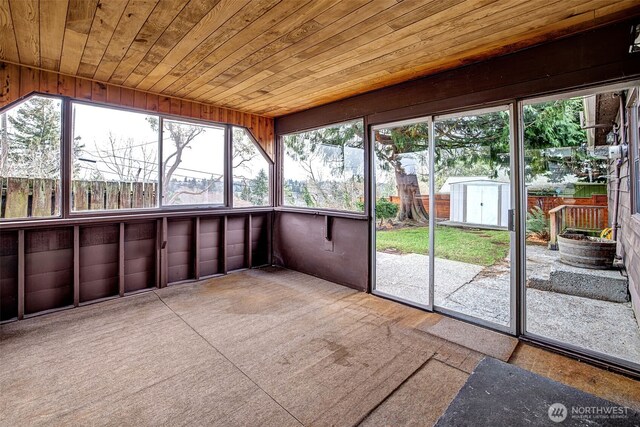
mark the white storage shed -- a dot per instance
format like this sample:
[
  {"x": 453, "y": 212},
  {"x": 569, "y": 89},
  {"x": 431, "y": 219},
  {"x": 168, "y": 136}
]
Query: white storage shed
[{"x": 480, "y": 201}]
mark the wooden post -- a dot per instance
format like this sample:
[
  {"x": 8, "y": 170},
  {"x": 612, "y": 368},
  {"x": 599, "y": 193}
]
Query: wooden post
[
  {"x": 121, "y": 260},
  {"x": 21, "y": 263},
  {"x": 76, "y": 266},
  {"x": 164, "y": 262},
  {"x": 249, "y": 243},
  {"x": 223, "y": 244},
  {"x": 555, "y": 225},
  {"x": 196, "y": 248},
  {"x": 158, "y": 250}
]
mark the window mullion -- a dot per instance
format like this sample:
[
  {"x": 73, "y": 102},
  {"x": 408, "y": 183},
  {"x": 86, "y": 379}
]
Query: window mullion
[{"x": 66, "y": 153}]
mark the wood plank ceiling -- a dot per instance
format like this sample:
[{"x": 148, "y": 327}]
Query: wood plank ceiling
[{"x": 274, "y": 57}]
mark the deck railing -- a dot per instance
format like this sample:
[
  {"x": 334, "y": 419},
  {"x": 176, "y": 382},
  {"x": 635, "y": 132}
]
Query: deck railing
[{"x": 587, "y": 218}]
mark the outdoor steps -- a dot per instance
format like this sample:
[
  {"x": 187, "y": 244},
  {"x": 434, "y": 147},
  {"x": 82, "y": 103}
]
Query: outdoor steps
[{"x": 606, "y": 285}]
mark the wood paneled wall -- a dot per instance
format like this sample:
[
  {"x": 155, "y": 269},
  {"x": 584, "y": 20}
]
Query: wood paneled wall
[
  {"x": 54, "y": 267},
  {"x": 18, "y": 81}
]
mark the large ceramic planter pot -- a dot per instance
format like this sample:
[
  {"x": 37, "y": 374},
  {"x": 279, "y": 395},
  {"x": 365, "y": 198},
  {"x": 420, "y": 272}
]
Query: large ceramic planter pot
[{"x": 586, "y": 252}]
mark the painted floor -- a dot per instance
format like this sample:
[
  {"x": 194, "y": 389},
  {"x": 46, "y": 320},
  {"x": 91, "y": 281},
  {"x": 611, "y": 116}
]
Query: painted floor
[{"x": 261, "y": 347}]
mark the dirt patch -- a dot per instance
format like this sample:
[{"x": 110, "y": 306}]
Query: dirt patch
[
  {"x": 535, "y": 240},
  {"x": 393, "y": 251}
]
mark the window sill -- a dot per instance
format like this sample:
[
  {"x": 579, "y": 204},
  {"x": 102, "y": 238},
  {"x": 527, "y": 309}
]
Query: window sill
[
  {"x": 323, "y": 212},
  {"x": 81, "y": 219}
]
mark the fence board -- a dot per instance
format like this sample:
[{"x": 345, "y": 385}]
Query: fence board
[
  {"x": 125, "y": 195},
  {"x": 43, "y": 190},
  {"x": 138, "y": 195},
  {"x": 97, "y": 195},
  {"x": 81, "y": 195},
  {"x": 113, "y": 195},
  {"x": 149, "y": 195},
  {"x": 17, "y": 197}
]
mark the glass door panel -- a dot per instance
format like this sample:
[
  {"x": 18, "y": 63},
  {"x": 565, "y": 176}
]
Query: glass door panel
[
  {"x": 472, "y": 202},
  {"x": 577, "y": 295},
  {"x": 401, "y": 161}
]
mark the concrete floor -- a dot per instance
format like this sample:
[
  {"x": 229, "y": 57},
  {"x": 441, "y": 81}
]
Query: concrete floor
[
  {"x": 261, "y": 347},
  {"x": 602, "y": 326}
]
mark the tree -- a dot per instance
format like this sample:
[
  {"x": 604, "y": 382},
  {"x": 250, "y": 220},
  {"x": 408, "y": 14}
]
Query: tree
[
  {"x": 126, "y": 160},
  {"x": 32, "y": 146},
  {"x": 260, "y": 189},
  {"x": 393, "y": 147},
  {"x": 180, "y": 135},
  {"x": 552, "y": 127},
  {"x": 333, "y": 173}
]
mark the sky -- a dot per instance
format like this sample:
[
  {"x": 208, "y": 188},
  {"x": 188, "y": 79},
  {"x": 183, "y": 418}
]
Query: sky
[{"x": 93, "y": 125}]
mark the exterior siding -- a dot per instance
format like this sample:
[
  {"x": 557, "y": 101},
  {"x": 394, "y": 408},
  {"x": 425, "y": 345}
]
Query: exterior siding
[{"x": 629, "y": 231}]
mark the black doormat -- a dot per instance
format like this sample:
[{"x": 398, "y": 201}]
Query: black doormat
[{"x": 499, "y": 394}]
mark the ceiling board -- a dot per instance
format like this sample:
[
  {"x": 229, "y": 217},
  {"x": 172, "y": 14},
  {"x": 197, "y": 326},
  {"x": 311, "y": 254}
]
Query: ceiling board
[{"x": 274, "y": 57}]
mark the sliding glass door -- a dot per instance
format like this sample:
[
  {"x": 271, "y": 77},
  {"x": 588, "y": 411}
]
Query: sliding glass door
[
  {"x": 577, "y": 293},
  {"x": 443, "y": 210},
  {"x": 402, "y": 186},
  {"x": 445, "y": 188},
  {"x": 472, "y": 210}
]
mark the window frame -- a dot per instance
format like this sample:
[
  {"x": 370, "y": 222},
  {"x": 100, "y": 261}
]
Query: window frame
[
  {"x": 66, "y": 169},
  {"x": 265, "y": 156},
  {"x": 63, "y": 150},
  {"x": 102, "y": 212},
  {"x": 196, "y": 206},
  {"x": 280, "y": 206}
]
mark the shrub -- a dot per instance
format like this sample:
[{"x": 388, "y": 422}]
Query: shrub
[
  {"x": 384, "y": 209},
  {"x": 537, "y": 223}
]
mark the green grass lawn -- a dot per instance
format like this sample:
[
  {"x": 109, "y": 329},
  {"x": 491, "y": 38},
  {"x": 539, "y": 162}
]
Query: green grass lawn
[{"x": 481, "y": 247}]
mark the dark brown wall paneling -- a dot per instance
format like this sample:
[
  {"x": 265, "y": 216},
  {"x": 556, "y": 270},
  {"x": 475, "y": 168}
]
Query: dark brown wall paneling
[
  {"x": 180, "y": 250},
  {"x": 210, "y": 253},
  {"x": 8, "y": 275},
  {"x": 300, "y": 244},
  {"x": 139, "y": 256},
  {"x": 98, "y": 262},
  {"x": 48, "y": 269},
  {"x": 599, "y": 55},
  {"x": 236, "y": 235},
  {"x": 259, "y": 240}
]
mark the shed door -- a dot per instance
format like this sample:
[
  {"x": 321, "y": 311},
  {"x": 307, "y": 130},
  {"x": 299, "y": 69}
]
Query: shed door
[{"x": 482, "y": 204}]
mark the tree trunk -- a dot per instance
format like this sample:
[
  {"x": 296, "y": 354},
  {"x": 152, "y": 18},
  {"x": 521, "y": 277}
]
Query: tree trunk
[{"x": 411, "y": 208}]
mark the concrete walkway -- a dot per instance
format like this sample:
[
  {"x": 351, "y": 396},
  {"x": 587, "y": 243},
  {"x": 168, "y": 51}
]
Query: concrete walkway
[{"x": 603, "y": 326}]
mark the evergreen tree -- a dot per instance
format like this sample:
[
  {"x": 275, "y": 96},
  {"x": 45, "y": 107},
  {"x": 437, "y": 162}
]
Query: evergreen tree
[
  {"x": 260, "y": 189},
  {"x": 245, "y": 194},
  {"x": 34, "y": 139}
]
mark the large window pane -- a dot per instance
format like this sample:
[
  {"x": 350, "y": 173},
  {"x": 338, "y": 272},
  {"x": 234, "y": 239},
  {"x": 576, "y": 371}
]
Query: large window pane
[
  {"x": 324, "y": 168},
  {"x": 30, "y": 158},
  {"x": 577, "y": 292},
  {"x": 250, "y": 171},
  {"x": 115, "y": 159},
  {"x": 402, "y": 212},
  {"x": 472, "y": 265},
  {"x": 193, "y": 164}
]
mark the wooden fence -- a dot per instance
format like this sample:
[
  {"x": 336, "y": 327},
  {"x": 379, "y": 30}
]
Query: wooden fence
[
  {"x": 588, "y": 218},
  {"x": 546, "y": 203},
  {"x": 35, "y": 197}
]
